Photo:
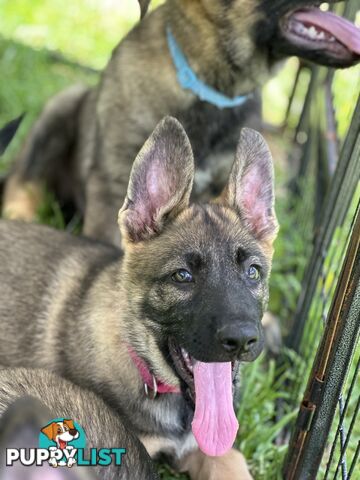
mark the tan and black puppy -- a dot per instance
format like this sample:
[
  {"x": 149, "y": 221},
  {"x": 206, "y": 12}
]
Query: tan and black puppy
[
  {"x": 159, "y": 330},
  {"x": 201, "y": 61}
]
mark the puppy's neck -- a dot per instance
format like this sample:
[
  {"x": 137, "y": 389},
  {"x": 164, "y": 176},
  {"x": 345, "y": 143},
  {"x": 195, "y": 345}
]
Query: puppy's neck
[{"x": 208, "y": 54}]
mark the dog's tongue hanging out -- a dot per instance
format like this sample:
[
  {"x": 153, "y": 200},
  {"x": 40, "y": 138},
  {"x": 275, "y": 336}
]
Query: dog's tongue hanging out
[
  {"x": 215, "y": 424},
  {"x": 337, "y": 27}
]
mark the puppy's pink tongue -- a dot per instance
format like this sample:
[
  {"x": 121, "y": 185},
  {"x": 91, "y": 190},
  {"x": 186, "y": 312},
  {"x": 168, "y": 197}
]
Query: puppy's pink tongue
[{"x": 215, "y": 424}]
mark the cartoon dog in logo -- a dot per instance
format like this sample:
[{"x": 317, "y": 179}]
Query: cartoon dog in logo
[{"x": 61, "y": 433}]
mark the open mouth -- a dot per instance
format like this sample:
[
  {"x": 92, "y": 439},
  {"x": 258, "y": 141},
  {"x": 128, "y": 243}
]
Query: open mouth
[
  {"x": 210, "y": 386},
  {"x": 184, "y": 364},
  {"x": 324, "y": 32}
]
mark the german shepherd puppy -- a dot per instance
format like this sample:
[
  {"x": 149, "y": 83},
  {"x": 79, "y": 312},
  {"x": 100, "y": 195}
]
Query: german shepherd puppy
[
  {"x": 84, "y": 142},
  {"x": 159, "y": 330}
]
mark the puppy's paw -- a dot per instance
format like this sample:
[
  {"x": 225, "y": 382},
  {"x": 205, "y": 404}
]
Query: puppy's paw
[{"x": 232, "y": 466}]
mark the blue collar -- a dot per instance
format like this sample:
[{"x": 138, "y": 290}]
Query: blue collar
[{"x": 188, "y": 79}]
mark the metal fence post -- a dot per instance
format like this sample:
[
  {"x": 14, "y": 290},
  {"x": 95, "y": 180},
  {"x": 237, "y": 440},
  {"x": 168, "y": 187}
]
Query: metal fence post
[{"x": 329, "y": 370}]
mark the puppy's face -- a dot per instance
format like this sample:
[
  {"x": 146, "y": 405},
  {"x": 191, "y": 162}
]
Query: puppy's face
[
  {"x": 203, "y": 284},
  {"x": 197, "y": 275}
]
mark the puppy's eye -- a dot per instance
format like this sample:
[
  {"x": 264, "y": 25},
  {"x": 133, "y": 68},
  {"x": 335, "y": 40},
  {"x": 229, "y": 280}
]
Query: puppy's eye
[
  {"x": 182, "y": 276},
  {"x": 253, "y": 273}
]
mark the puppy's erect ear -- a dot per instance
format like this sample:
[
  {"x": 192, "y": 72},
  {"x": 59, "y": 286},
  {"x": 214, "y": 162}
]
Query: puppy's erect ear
[
  {"x": 144, "y": 5},
  {"x": 160, "y": 182},
  {"x": 250, "y": 188},
  {"x": 49, "y": 431}
]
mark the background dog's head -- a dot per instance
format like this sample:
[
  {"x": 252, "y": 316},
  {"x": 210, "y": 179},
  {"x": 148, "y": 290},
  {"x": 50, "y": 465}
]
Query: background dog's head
[
  {"x": 197, "y": 275},
  {"x": 279, "y": 28},
  {"x": 286, "y": 27}
]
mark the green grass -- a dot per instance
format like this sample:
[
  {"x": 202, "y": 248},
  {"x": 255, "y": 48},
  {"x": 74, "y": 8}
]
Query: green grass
[
  {"x": 262, "y": 391},
  {"x": 30, "y": 79},
  {"x": 85, "y": 30}
]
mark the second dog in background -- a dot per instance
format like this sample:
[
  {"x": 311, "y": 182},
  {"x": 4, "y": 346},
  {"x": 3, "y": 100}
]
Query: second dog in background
[{"x": 201, "y": 61}]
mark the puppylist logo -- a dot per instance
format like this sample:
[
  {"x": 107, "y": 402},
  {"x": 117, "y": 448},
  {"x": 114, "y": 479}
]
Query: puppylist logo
[{"x": 62, "y": 444}]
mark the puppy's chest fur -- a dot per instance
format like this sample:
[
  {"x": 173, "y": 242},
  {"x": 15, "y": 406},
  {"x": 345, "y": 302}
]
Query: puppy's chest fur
[
  {"x": 211, "y": 129},
  {"x": 170, "y": 417}
]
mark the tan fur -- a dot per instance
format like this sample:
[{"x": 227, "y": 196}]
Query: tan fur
[
  {"x": 232, "y": 466},
  {"x": 22, "y": 200}
]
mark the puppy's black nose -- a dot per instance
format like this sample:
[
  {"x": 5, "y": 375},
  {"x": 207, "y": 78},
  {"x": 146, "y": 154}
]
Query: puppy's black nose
[
  {"x": 235, "y": 340},
  {"x": 73, "y": 432}
]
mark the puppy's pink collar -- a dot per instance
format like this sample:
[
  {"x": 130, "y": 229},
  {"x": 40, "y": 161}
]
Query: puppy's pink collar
[{"x": 148, "y": 378}]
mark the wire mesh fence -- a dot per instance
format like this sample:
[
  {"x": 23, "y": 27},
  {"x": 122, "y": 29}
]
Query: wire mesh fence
[
  {"x": 325, "y": 440},
  {"x": 311, "y": 439},
  {"x": 330, "y": 242}
]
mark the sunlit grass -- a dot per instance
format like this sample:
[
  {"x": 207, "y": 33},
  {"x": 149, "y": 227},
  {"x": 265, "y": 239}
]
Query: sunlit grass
[
  {"x": 84, "y": 30},
  {"x": 28, "y": 79}
]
